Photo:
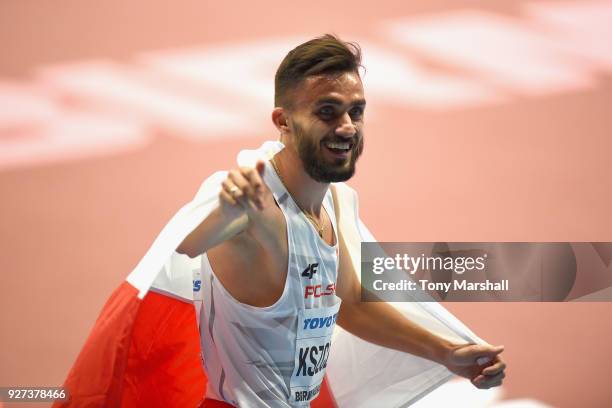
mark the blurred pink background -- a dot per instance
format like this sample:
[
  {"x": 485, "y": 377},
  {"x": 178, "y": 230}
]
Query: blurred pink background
[{"x": 486, "y": 121}]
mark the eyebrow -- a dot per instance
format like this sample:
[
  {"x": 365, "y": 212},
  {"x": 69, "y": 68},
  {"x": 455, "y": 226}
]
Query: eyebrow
[{"x": 336, "y": 101}]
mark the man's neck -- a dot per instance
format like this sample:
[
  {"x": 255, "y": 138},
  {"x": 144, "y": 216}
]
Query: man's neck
[{"x": 305, "y": 191}]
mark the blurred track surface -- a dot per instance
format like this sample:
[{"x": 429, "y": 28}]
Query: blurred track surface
[{"x": 487, "y": 121}]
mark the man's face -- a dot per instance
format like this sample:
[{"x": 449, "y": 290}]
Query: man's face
[{"x": 326, "y": 125}]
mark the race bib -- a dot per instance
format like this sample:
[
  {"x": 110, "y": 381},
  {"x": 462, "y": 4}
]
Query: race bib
[{"x": 313, "y": 344}]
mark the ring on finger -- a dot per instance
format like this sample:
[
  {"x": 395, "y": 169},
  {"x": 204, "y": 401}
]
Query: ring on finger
[{"x": 233, "y": 190}]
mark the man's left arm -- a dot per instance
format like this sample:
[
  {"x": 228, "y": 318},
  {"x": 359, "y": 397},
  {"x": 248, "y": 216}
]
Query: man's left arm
[{"x": 382, "y": 324}]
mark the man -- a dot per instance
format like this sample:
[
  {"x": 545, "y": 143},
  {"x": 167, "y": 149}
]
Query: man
[{"x": 276, "y": 272}]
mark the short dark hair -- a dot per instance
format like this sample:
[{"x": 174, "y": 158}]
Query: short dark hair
[{"x": 322, "y": 55}]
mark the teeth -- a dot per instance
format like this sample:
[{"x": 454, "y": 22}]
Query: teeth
[{"x": 342, "y": 146}]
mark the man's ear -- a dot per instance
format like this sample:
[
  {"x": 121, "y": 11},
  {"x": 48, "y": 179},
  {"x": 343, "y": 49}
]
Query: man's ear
[{"x": 280, "y": 120}]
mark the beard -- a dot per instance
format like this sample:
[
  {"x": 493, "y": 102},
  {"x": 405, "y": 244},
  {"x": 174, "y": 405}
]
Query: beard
[{"x": 317, "y": 166}]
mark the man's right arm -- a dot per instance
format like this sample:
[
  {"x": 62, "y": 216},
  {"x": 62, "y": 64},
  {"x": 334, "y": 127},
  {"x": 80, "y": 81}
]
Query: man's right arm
[
  {"x": 215, "y": 229},
  {"x": 243, "y": 195}
]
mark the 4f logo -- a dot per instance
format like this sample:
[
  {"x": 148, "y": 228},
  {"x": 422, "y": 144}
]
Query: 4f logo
[{"x": 310, "y": 270}]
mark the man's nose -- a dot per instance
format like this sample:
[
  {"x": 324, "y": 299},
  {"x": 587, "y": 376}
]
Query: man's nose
[{"x": 346, "y": 128}]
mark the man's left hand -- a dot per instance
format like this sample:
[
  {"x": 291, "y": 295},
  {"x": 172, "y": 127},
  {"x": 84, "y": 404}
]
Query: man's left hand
[{"x": 480, "y": 363}]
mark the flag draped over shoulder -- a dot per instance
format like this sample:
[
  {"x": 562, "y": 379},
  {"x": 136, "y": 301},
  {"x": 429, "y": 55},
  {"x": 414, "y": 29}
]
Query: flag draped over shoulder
[{"x": 144, "y": 349}]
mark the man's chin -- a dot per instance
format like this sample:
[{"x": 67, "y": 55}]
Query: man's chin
[
  {"x": 325, "y": 169},
  {"x": 337, "y": 175}
]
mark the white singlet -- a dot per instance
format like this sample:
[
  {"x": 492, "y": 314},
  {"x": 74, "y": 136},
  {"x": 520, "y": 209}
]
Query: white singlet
[{"x": 274, "y": 356}]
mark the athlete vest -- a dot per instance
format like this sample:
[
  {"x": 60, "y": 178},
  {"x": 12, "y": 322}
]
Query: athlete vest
[{"x": 274, "y": 356}]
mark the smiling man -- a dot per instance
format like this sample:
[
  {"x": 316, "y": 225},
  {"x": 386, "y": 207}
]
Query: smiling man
[{"x": 275, "y": 272}]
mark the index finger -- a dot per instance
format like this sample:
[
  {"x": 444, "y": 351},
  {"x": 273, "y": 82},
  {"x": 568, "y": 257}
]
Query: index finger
[{"x": 253, "y": 177}]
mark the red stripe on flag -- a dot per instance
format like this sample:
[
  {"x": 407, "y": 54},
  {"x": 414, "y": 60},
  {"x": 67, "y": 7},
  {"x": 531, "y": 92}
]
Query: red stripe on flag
[
  {"x": 164, "y": 366},
  {"x": 139, "y": 353},
  {"x": 96, "y": 377}
]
